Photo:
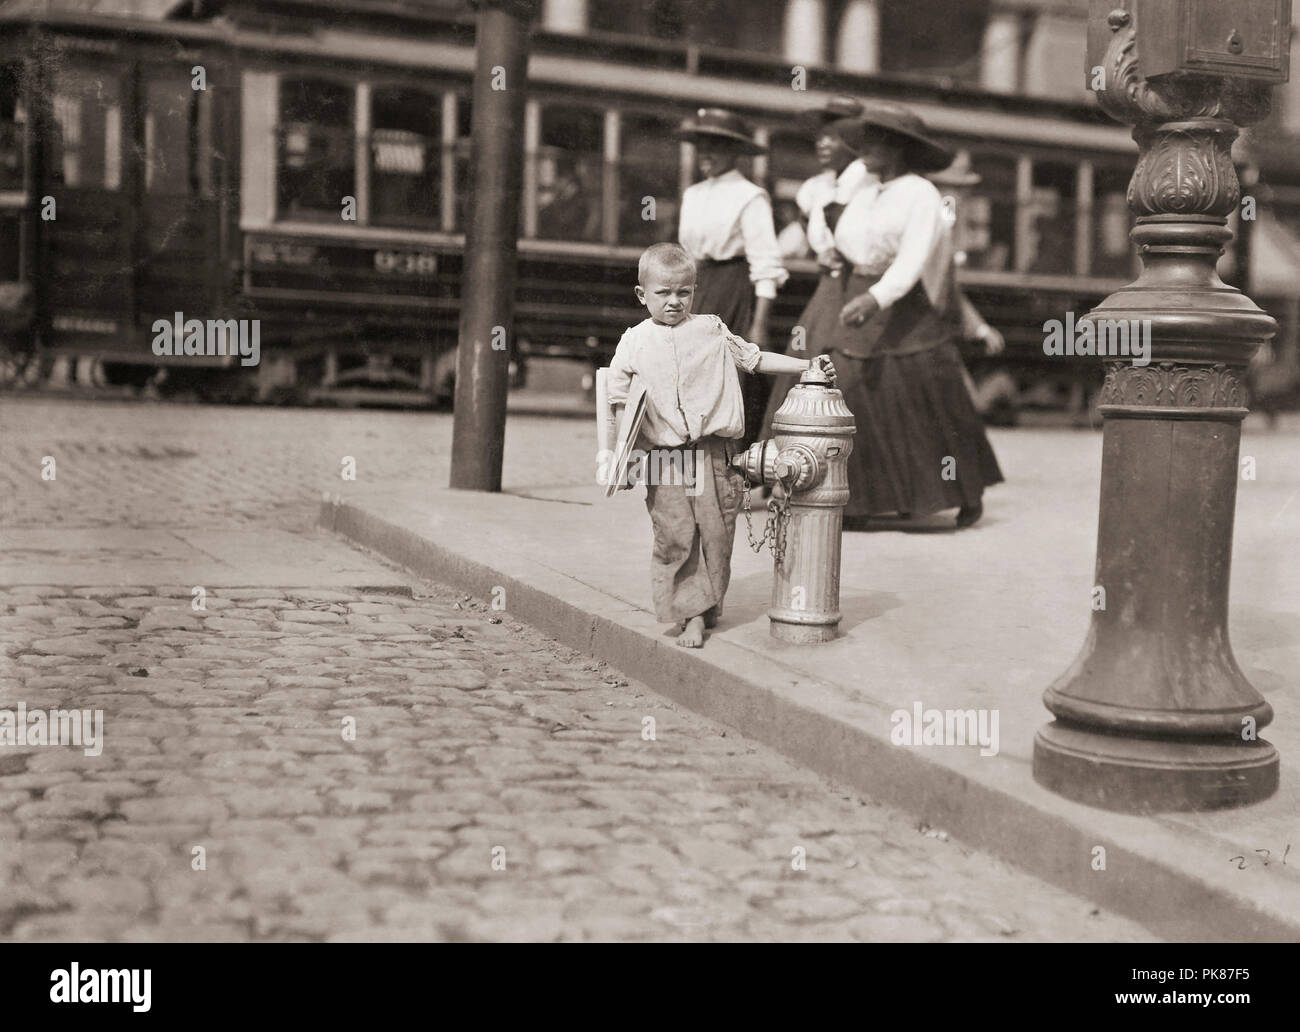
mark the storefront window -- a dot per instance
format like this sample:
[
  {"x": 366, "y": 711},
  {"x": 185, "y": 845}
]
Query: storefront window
[
  {"x": 933, "y": 38},
  {"x": 753, "y": 25}
]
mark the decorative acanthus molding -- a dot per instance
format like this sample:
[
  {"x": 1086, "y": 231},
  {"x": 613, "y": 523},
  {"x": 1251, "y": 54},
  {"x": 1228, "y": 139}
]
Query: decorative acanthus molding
[
  {"x": 1173, "y": 385},
  {"x": 1185, "y": 168}
]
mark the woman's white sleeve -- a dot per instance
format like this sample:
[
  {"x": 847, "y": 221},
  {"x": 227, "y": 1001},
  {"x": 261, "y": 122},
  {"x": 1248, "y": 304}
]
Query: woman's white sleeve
[{"x": 766, "y": 268}]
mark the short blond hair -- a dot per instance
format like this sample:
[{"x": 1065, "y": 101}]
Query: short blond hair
[{"x": 668, "y": 257}]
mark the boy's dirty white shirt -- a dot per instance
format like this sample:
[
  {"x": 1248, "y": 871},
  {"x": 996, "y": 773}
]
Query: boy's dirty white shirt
[{"x": 689, "y": 374}]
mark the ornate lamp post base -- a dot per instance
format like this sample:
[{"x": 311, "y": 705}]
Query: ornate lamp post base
[
  {"x": 1155, "y": 714},
  {"x": 1145, "y": 775}
]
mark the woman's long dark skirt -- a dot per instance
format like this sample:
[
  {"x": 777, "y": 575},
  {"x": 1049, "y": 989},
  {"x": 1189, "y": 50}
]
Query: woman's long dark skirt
[
  {"x": 920, "y": 445},
  {"x": 817, "y": 323},
  {"x": 724, "y": 289}
]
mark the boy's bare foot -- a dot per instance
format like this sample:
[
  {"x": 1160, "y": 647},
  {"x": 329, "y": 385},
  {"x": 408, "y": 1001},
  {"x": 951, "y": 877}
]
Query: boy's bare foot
[
  {"x": 711, "y": 617},
  {"x": 692, "y": 636}
]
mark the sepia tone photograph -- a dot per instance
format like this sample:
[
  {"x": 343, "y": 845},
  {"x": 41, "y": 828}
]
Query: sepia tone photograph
[{"x": 650, "y": 471}]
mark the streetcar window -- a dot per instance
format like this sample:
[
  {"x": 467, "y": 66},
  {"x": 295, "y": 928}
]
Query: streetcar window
[
  {"x": 970, "y": 208},
  {"x": 10, "y": 247},
  {"x": 649, "y": 171},
  {"x": 1051, "y": 218},
  {"x": 86, "y": 142},
  {"x": 1285, "y": 207},
  {"x": 316, "y": 164},
  {"x": 569, "y": 163},
  {"x": 1112, "y": 252},
  {"x": 171, "y": 136},
  {"x": 464, "y": 179},
  {"x": 12, "y": 119},
  {"x": 791, "y": 161},
  {"x": 405, "y": 156},
  {"x": 986, "y": 214},
  {"x": 791, "y": 236}
]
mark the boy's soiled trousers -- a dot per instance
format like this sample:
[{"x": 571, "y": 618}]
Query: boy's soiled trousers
[{"x": 693, "y": 515}]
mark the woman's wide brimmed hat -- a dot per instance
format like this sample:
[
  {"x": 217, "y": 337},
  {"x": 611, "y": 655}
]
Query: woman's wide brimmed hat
[
  {"x": 719, "y": 122},
  {"x": 920, "y": 152},
  {"x": 959, "y": 173},
  {"x": 833, "y": 110}
]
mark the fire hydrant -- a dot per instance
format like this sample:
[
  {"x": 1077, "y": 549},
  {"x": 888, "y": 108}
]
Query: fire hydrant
[{"x": 806, "y": 461}]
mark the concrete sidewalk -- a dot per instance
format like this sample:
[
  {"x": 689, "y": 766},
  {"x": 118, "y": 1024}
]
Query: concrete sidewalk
[{"x": 982, "y": 619}]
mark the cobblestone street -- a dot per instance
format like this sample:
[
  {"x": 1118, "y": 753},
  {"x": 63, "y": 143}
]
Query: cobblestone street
[{"x": 392, "y": 760}]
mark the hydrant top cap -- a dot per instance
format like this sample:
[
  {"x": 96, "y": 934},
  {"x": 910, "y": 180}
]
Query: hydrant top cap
[{"x": 815, "y": 407}]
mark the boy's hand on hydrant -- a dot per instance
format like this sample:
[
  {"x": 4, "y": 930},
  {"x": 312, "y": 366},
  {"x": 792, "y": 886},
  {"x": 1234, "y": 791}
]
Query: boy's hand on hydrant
[
  {"x": 822, "y": 363},
  {"x": 859, "y": 310}
]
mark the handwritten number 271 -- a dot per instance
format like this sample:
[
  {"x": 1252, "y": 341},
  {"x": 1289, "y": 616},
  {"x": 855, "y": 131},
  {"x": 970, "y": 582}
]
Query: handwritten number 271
[{"x": 1241, "y": 860}]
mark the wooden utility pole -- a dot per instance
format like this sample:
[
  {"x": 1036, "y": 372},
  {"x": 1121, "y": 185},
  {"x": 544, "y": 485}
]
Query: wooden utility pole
[{"x": 488, "y": 282}]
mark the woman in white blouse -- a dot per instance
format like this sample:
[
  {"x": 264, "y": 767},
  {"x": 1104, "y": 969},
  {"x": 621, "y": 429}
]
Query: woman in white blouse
[
  {"x": 726, "y": 226},
  {"x": 921, "y": 447}
]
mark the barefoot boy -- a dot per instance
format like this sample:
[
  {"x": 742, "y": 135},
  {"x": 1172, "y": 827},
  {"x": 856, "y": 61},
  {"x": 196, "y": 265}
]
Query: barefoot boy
[{"x": 693, "y": 421}]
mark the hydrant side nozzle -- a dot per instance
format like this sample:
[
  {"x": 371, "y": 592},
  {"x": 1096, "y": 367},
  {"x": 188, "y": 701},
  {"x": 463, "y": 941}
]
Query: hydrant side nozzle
[
  {"x": 757, "y": 463},
  {"x": 798, "y": 467},
  {"x": 740, "y": 461}
]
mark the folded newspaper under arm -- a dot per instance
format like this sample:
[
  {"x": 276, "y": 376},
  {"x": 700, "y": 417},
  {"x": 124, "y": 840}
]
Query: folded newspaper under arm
[{"x": 616, "y": 437}]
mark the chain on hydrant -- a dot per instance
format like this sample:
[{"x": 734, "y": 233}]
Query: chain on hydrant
[
  {"x": 812, "y": 436},
  {"x": 778, "y": 517}
]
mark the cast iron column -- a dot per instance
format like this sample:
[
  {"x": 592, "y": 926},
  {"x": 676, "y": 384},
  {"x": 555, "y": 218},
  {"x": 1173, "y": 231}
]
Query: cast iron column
[
  {"x": 1155, "y": 713},
  {"x": 488, "y": 282}
]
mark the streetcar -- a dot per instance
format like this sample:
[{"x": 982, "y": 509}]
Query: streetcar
[{"x": 307, "y": 167}]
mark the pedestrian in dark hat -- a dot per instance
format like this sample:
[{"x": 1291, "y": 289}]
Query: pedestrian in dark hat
[
  {"x": 821, "y": 199},
  {"x": 842, "y": 173},
  {"x": 921, "y": 447},
  {"x": 726, "y": 226}
]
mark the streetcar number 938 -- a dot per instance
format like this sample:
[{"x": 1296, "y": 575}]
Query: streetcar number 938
[{"x": 406, "y": 263}]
